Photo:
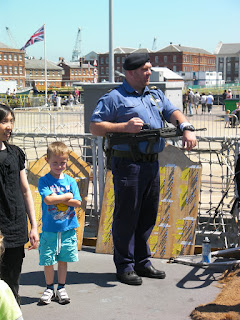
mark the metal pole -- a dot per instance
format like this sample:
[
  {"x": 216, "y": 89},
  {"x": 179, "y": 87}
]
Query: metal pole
[{"x": 111, "y": 51}]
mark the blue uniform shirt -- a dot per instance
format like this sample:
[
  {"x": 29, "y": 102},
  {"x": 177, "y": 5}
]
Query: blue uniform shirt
[{"x": 124, "y": 103}]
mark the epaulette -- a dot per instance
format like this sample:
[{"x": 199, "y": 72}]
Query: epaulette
[
  {"x": 109, "y": 90},
  {"x": 153, "y": 88}
]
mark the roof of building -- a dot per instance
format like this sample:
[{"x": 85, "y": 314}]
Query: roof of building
[
  {"x": 142, "y": 50},
  {"x": 180, "y": 48},
  {"x": 3, "y": 45},
  {"x": 227, "y": 48},
  {"x": 39, "y": 64},
  {"x": 75, "y": 64},
  {"x": 125, "y": 50},
  {"x": 167, "y": 73}
]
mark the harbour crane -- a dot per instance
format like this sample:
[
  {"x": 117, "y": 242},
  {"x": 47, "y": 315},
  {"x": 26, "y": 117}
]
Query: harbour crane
[
  {"x": 13, "y": 43},
  {"x": 76, "y": 54},
  {"x": 154, "y": 46}
]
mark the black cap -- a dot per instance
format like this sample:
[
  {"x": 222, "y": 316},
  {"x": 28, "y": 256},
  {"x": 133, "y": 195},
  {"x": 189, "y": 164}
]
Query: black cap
[{"x": 136, "y": 60}]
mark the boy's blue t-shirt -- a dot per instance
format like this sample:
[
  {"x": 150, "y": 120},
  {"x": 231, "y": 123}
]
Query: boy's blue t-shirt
[{"x": 58, "y": 217}]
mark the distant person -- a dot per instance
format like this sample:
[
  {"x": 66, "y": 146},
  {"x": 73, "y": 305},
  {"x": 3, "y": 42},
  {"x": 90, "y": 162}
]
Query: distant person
[
  {"x": 8, "y": 92},
  {"x": 58, "y": 242},
  {"x": 209, "y": 102},
  {"x": 229, "y": 94},
  {"x": 196, "y": 101},
  {"x": 185, "y": 102},
  {"x": 15, "y": 201},
  {"x": 203, "y": 102},
  {"x": 191, "y": 101},
  {"x": 9, "y": 309},
  {"x": 227, "y": 119},
  {"x": 76, "y": 96},
  {"x": 54, "y": 98},
  {"x": 59, "y": 102},
  {"x": 224, "y": 97},
  {"x": 71, "y": 100}
]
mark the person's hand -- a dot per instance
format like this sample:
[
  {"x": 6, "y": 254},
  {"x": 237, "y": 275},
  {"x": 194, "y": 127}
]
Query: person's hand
[
  {"x": 189, "y": 140},
  {"x": 34, "y": 239},
  {"x": 134, "y": 125},
  {"x": 68, "y": 196}
]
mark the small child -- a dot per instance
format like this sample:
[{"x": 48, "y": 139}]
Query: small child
[
  {"x": 58, "y": 241},
  {"x": 227, "y": 119}
]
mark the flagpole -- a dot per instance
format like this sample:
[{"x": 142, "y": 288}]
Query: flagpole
[{"x": 45, "y": 65}]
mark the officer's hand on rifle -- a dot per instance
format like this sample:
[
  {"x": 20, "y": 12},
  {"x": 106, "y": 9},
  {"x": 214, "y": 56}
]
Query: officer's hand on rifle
[{"x": 134, "y": 125}]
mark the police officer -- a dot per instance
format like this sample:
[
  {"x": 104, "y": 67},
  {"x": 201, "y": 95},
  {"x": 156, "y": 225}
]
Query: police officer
[{"x": 136, "y": 182}]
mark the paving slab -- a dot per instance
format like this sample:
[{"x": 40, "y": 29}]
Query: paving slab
[{"x": 97, "y": 295}]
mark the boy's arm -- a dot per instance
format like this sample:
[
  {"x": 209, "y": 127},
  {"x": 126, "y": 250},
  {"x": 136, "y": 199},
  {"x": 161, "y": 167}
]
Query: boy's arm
[
  {"x": 76, "y": 200},
  {"x": 28, "y": 200},
  {"x": 57, "y": 198},
  {"x": 73, "y": 203}
]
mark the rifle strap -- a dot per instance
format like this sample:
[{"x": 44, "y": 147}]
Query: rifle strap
[{"x": 163, "y": 119}]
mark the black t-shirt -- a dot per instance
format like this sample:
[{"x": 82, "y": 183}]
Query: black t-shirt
[
  {"x": 3, "y": 155},
  {"x": 13, "y": 218}
]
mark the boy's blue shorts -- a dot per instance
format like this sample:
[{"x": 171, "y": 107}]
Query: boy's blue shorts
[{"x": 57, "y": 246}]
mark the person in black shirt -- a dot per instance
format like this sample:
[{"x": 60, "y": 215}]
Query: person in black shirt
[{"x": 15, "y": 201}]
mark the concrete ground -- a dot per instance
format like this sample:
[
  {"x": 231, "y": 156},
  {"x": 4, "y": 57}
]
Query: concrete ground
[{"x": 96, "y": 294}]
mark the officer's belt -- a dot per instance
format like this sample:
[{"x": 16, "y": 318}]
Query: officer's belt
[{"x": 138, "y": 157}]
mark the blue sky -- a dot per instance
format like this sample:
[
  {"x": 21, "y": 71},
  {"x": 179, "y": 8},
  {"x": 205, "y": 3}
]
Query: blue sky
[{"x": 136, "y": 23}]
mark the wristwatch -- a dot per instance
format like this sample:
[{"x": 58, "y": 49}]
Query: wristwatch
[
  {"x": 189, "y": 128},
  {"x": 186, "y": 126}
]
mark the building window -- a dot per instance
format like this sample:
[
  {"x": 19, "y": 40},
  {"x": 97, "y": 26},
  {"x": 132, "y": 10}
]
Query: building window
[
  {"x": 15, "y": 69},
  {"x": 5, "y": 57},
  {"x": 75, "y": 72},
  {"x": 20, "y": 57},
  {"x": 20, "y": 70},
  {"x": 36, "y": 72},
  {"x": 0, "y": 57},
  {"x": 10, "y": 69},
  {"x": 102, "y": 60},
  {"x": 156, "y": 59},
  {"x": 228, "y": 67},
  {"x": 174, "y": 69},
  {"x": 10, "y": 57},
  {"x": 5, "y": 69},
  {"x": 30, "y": 72},
  {"x": 174, "y": 59},
  {"x": 72, "y": 72},
  {"x": 165, "y": 59},
  {"x": 118, "y": 59},
  {"x": 106, "y": 60},
  {"x": 0, "y": 69},
  {"x": 123, "y": 60},
  {"x": 15, "y": 57}
]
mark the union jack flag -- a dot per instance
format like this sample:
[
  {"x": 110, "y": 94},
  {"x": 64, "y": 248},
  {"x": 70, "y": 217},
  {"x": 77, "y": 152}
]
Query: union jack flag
[{"x": 37, "y": 36}]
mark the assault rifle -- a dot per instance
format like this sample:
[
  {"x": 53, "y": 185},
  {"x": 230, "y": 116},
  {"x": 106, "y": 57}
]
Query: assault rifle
[{"x": 149, "y": 135}]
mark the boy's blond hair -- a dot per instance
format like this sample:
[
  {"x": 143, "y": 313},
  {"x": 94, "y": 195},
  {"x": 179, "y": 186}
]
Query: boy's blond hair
[
  {"x": 227, "y": 111},
  {"x": 57, "y": 148}
]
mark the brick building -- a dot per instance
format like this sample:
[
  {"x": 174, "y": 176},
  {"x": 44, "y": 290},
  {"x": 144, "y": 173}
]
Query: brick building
[
  {"x": 76, "y": 71},
  {"x": 35, "y": 74},
  {"x": 180, "y": 58},
  {"x": 174, "y": 57},
  {"x": 227, "y": 61},
  {"x": 12, "y": 65}
]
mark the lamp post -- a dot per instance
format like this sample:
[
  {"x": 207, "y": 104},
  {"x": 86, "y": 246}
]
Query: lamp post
[{"x": 111, "y": 51}]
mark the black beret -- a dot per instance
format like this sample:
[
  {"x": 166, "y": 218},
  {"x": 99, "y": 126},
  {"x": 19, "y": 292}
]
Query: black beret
[{"x": 136, "y": 60}]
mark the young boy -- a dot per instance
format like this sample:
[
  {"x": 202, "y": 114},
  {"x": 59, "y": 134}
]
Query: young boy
[{"x": 58, "y": 241}]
